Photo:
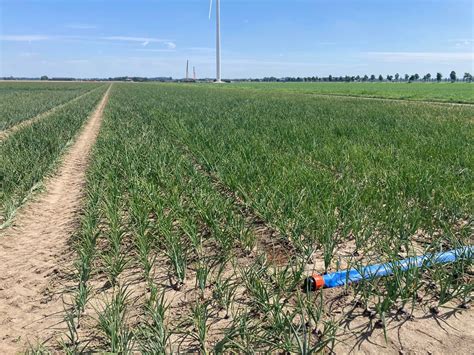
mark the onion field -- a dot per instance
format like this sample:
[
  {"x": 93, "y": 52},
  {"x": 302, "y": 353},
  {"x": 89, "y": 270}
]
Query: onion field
[
  {"x": 433, "y": 92},
  {"x": 206, "y": 207},
  {"x": 22, "y": 101},
  {"x": 31, "y": 153}
]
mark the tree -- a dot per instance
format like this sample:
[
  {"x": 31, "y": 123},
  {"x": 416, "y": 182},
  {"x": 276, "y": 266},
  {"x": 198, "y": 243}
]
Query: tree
[
  {"x": 427, "y": 77},
  {"x": 372, "y": 77},
  {"x": 467, "y": 77},
  {"x": 389, "y": 77},
  {"x": 416, "y": 76},
  {"x": 452, "y": 76},
  {"x": 365, "y": 78},
  {"x": 397, "y": 76},
  {"x": 380, "y": 77},
  {"x": 330, "y": 77},
  {"x": 407, "y": 77},
  {"x": 439, "y": 76},
  {"x": 44, "y": 77}
]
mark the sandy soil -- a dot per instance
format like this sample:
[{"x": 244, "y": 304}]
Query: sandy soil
[
  {"x": 34, "y": 251},
  {"x": 22, "y": 124},
  {"x": 449, "y": 332}
]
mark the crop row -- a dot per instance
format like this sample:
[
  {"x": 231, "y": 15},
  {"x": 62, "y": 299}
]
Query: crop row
[
  {"x": 22, "y": 101},
  {"x": 348, "y": 182},
  {"x": 343, "y": 182},
  {"x": 150, "y": 210},
  {"x": 32, "y": 152},
  {"x": 328, "y": 169},
  {"x": 438, "y": 92}
]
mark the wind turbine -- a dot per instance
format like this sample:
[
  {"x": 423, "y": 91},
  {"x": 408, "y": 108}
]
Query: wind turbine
[{"x": 218, "y": 38}]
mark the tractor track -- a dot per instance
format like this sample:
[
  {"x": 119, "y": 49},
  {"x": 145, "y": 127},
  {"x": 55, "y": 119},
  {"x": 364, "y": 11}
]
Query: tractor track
[{"x": 35, "y": 253}]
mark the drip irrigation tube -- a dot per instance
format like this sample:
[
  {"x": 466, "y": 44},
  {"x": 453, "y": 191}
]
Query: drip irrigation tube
[{"x": 344, "y": 277}]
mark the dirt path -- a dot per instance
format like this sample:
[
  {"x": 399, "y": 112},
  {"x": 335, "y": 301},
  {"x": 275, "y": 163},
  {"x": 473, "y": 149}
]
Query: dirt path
[
  {"x": 4, "y": 134},
  {"x": 34, "y": 251}
]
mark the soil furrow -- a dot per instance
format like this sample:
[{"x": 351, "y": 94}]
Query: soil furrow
[{"x": 34, "y": 251}]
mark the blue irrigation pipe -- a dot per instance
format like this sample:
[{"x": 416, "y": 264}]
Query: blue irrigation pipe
[{"x": 344, "y": 277}]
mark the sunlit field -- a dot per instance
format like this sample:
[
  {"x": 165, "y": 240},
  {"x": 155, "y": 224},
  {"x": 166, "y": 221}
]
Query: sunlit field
[
  {"x": 443, "y": 92},
  {"x": 206, "y": 207}
]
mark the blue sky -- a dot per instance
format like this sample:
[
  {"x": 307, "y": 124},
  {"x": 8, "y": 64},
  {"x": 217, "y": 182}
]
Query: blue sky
[{"x": 101, "y": 38}]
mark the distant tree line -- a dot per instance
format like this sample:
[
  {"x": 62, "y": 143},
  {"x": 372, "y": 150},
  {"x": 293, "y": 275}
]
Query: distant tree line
[
  {"x": 139, "y": 79},
  {"x": 409, "y": 78},
  {"x": 120, "y": 78}
]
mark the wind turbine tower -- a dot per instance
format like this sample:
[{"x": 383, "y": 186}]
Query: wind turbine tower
[{"x": 218, "y": 38}]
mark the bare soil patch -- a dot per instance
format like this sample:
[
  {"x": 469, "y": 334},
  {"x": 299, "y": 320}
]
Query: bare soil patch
[
  {"x": 448, "y": 332},
  {"x": 34, "y": 251},
  {"x": 417, "y": 332}
]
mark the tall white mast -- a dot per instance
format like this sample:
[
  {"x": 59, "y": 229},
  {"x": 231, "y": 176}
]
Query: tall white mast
[
  {"x": 218, "y": 41},
  {"x": 218, "y": 38}
]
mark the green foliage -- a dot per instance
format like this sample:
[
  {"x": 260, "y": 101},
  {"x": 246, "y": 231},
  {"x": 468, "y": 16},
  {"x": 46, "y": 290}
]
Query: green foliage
[
  {"x": 327, "y": 173},
  {"x": 453, "y": 76},
  {"x": 22, "y": 101},
  {"x": 113, "y": 322},
  {"x": 415, "y": 91},
  {"x": 305, "y": 167},
  {"x": 27, "y": 155}
]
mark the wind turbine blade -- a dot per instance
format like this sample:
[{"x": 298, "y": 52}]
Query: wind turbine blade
[{"x": 210, "y": 9}]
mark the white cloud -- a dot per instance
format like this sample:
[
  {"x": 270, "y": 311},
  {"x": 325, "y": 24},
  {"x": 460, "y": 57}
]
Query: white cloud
[
  {"x": 398, "y": 57},
  {"x": 24, "y": 38},
  {"x": 145, "y": 41},
  {"x": 464, "y": 42},
  {"x": 142, "y": 40}
]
